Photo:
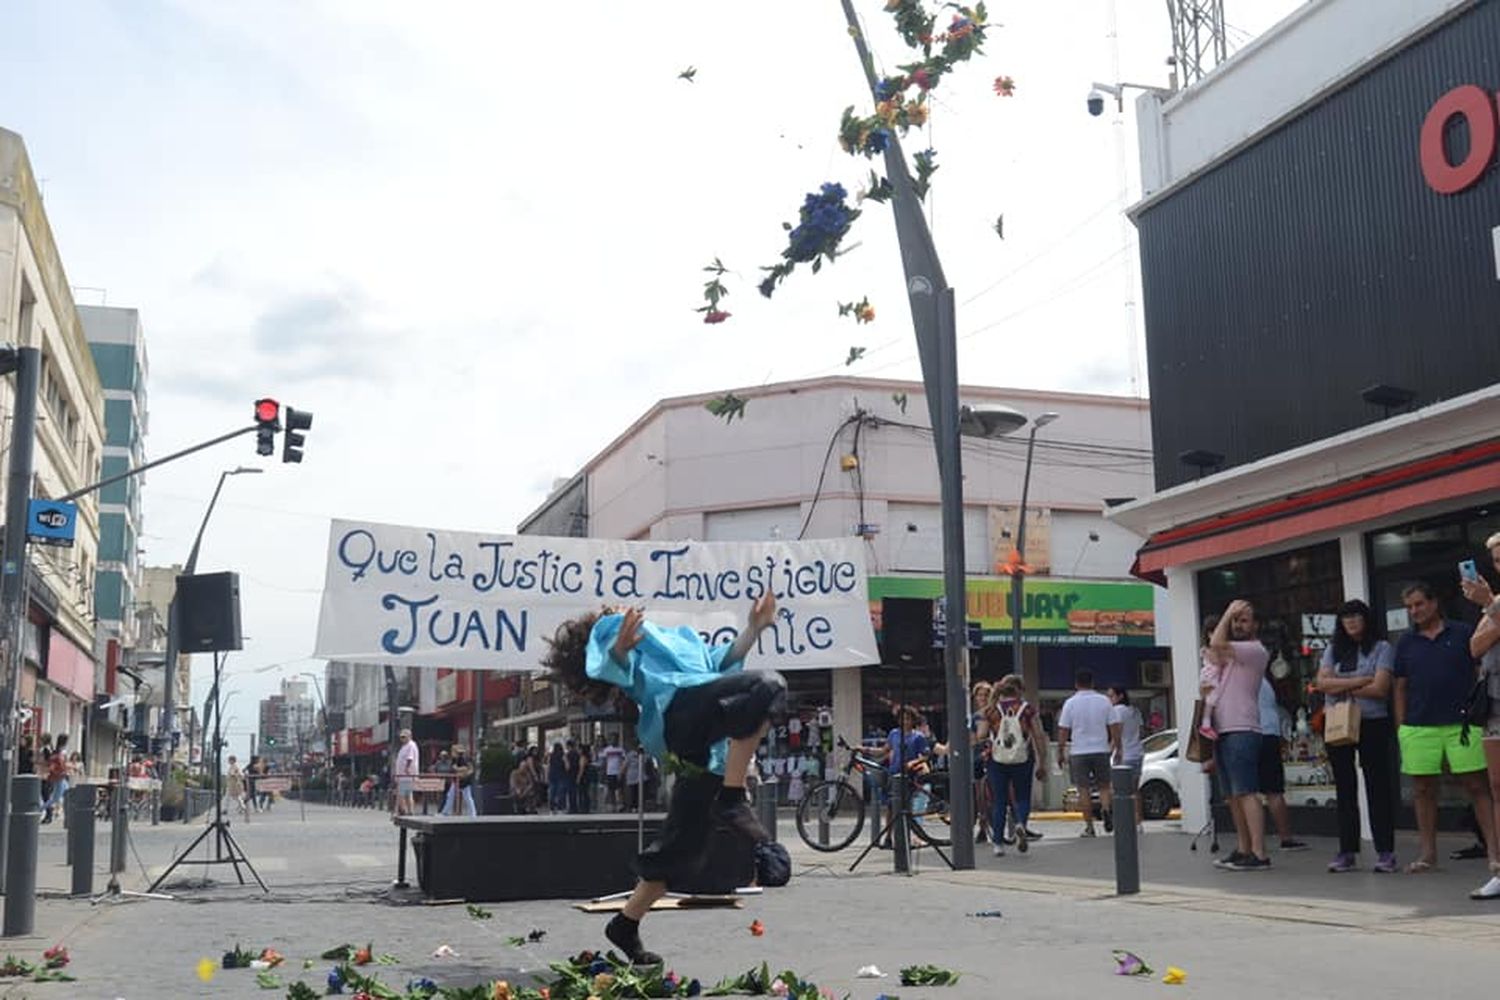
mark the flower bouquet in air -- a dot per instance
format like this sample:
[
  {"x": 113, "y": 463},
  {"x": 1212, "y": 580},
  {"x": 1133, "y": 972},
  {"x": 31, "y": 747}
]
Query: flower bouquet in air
[{"x": 823, "y": 222}]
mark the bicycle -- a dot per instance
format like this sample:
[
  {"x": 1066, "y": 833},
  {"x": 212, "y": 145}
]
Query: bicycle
[{"x": 832, "y": 814}]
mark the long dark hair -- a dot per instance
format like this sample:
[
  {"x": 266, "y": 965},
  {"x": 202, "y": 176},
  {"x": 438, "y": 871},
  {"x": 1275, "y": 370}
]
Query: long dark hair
[{"x": 1345, "y": 650}]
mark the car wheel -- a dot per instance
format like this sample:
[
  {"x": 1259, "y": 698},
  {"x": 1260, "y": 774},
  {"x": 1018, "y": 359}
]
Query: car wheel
[{"x": 1156, "y": 799}]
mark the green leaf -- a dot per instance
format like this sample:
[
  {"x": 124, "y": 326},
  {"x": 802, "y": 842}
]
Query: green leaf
[
  {"x": 301, "y": 991},
  {"x": 927, "y": 975},
  {"x": 267, "y": 980}
]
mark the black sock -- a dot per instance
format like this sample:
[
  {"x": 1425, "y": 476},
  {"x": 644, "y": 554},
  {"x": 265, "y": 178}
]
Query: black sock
[
  {"x": 729, "y": 796},
  {"x": 625, "y": 934}
]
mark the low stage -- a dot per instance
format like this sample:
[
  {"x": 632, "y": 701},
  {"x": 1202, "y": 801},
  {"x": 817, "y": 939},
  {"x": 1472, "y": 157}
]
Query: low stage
[{"x": 505, "y": 858}]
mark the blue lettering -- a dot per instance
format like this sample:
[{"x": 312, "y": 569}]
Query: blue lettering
[
  {"x": 666, "y": 556},
  {"x": 473, "y": 625},
  {"x": 626, "y": 584},
  {"x": 819, "y": 627},
  {"x": 482, "y": 583},
  {"x": 360, "y": 564},
  {"x": 504, "y": 624},
  {"x": 391, "y": 640}
]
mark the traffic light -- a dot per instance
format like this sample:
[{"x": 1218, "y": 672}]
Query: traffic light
[
  {"x": 267, "y": 412},
  {"x": 291, "y": 445}
]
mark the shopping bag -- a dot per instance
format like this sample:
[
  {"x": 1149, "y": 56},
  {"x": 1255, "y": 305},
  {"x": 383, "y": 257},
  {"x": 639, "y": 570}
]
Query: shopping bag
[
  {"x": 1341, "y": 724},
  {"x": 1200, "y": 749}
]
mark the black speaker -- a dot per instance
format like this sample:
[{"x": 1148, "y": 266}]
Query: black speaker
[
  {"x": 906, "y": 629},
  {"x": 208, "y": 612}
]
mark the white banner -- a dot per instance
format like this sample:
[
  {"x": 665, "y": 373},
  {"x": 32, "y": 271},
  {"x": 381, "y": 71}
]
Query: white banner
[{"x": 488, "y": 602}]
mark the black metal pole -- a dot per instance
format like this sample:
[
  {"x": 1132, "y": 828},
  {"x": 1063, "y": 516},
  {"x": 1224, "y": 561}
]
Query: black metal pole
[
  {"x": 933, "y": 319},
  {"x": 13, "y": 575},
  {"x": 1017, "y": 582}
]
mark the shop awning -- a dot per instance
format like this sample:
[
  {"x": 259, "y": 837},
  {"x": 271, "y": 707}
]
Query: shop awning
[{"x": 1463, "y": 473}]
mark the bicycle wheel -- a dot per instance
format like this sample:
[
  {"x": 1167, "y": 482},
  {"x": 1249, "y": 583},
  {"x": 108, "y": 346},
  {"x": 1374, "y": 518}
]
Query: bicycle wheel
[
  {"x": 930, "y": 822},
  {"x": 831, "y": 816}
]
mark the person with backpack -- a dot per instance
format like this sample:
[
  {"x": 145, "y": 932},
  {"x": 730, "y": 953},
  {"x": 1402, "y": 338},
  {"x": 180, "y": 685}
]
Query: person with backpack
[{"x": 1018, "y": 750}]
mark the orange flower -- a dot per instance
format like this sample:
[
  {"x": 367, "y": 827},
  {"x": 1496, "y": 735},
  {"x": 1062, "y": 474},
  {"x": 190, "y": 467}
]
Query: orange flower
[
  {"x": 887, "y": 110},
  {"x": 865, "y": 313},
  {"x": 757, "y": 928},
  {"x": 916, "y": 115}
]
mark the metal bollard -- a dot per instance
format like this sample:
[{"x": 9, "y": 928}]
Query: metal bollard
[
  {"x": 1127, "y": 850},
  {"x": 900, "y": 833},
  {"x": 872, "y": 805},
  {"x": 765, "y": 802},
  {"x": 119, "y": 828},
  {"x": 80, "y": 806},
  {"x": 20, "y": 859}
]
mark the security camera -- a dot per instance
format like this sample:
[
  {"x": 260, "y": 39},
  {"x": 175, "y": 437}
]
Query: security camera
[{"x": 1096, "y": 103}]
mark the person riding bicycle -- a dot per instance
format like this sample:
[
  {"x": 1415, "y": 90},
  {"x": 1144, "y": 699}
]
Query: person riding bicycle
[{"x": 697, "y": 705}]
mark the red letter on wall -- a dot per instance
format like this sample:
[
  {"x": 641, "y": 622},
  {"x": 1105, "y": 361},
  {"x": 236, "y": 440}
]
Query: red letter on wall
[{"x": 1477, "y": 108}]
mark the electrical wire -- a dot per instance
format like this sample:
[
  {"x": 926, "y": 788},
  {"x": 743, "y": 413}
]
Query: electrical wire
[{"x": 823, "y": 473}]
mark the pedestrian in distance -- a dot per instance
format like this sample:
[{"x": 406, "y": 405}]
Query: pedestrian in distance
[
  {"x": 1358, "y": 665},
  {"x": 1233, "y": 666},
  {"x": 1486, "y": 645},
  {"x": 1018, "y": 752},
  {"x": 460, "y": 790},
  {"x": 613, "y": 759},
  {"x": 697, "y": 704},
  {"x": 585, "y": 778},
  {"x": 59, "y": 774},
  {"x": 1435, "y": 672},
  {"x": 1127, "y": 749},
  {"x": 407, "y": 769},
  {"x": 1084, "y": 736},
  {"x": 557, "y": 779},
  {"x": 1272, "y": 769}
]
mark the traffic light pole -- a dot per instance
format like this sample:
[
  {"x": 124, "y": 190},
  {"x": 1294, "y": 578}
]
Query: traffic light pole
[{"x": 27, "y": 363}]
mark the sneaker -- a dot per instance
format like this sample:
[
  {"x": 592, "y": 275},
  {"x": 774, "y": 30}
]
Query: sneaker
[
  {"x": 1032, "y": 834},
  {"x": 1251, "y": 864},
  {"x": 980, "y": 838},
  {"x": 1229, "y": 860},
  {"x": 1007, "y": 841},
  {"x": 1021, "y": 844},
  {"x": 1293, "y": 845},
  {"x": 1490, "y": 890},
  {"x": 1109, "y": 821},
  {"x": 740, "y": 818},
  {"x": 1088, "y": 831},
  {"x": 1342, "y": 863},
  {"x": 1473, "y": 852},
  {"x": 625, "y": 934},
  {"x": 999, "y": 850},
  {"x": 1386, "y": 864}
]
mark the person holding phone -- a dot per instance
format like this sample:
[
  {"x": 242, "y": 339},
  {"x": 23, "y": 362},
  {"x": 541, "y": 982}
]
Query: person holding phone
[{"x": 1485, "y": 644}]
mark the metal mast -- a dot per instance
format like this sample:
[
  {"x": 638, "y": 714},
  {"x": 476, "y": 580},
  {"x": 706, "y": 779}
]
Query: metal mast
[{"x": 1198, "y": 41}]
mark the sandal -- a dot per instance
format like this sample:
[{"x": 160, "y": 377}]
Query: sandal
[{"x": 1420, "y": 867}]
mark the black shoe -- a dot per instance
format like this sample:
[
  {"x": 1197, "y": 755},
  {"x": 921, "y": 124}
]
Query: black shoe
[
  {"x": 1293, "y": 845},
  {"x": 1007, "y": 841},
  {"x": 740, "y": 818},
  {"x": 1250, "y": 864},
  {"x": 1474, "y": 852},
  {"x": 625, "y": 934},
  {"x": 1109, "y": 821},
  {"x": 1230, "y": 859},
  {"x": 1033, "y": 835}
]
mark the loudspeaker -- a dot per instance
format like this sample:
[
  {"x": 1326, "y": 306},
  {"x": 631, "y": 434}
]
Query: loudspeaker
[
  {"x": 208, "y": 612},
  {"x": 906, "y": 629}
]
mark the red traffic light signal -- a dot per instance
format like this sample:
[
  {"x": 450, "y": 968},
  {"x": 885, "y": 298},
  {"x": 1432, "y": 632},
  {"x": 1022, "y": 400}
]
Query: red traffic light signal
[{"x": 267, "y": 413}]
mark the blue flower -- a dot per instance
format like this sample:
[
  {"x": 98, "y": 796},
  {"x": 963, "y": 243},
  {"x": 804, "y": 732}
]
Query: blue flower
[
  {"x": 834, "y": 191},
  {"x": 767, "y": 288},
  {"x": 887, "y": 88},
  {"x": 877, "y": 140},
  {"x": 600, "y": 965},
  {"x": 693, "y": 988}
]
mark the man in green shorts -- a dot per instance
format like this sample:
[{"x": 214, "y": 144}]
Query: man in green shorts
[{"x": 1434, "y": 674}]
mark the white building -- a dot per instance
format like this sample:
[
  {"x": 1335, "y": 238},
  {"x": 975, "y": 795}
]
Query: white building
[
  {"x": 61, "y": 674},
  {"x": 850, "y": 456}
]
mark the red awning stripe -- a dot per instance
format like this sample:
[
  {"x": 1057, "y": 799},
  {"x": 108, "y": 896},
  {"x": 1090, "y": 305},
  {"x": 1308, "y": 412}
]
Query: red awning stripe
[
  {"x": 1366, "y": 506},
  {"x": 1463, "y": 458}
]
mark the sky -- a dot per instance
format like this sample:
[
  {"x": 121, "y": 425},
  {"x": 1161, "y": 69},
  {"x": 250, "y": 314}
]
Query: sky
[{"x": 469, "y": 236}]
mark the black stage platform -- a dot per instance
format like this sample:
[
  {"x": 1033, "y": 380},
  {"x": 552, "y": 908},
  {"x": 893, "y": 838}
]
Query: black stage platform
[{"x": 503, "y": 858}]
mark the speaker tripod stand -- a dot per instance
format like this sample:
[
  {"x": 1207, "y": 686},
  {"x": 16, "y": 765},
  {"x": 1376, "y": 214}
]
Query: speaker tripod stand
[
  {"x": 226, "y": 850},
  {"x": 119, "y": 836}
]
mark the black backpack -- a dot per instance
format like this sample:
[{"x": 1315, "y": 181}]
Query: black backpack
[{"x": 773, "y": 865}]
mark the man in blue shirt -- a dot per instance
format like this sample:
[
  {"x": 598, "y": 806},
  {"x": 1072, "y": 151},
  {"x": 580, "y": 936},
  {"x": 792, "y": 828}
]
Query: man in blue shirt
[
  {"x": 1434, "y": 674},
  {"x": 697, "y": 705}
]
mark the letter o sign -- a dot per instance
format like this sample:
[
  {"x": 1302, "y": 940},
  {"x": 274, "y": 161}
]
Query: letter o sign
[{"x": 1479, "y": 112}]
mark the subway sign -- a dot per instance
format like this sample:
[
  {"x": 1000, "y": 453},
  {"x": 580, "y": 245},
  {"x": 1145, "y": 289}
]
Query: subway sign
[{"x": 1054, "y": 612}]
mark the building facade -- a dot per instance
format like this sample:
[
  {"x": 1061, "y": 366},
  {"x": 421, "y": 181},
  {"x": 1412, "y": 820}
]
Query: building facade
[
  {"x": 153, "y": 599},
  {"x": 854, "y": 457},
  {"x": 1320, "y": 251},
  {"x": 61, "y": 673}
]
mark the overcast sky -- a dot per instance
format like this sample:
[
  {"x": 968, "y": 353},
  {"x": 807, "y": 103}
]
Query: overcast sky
[{"x": 468, "y": 236}]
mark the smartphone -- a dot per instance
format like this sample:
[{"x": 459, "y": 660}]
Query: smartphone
[{"x": 1468, "y": 571}]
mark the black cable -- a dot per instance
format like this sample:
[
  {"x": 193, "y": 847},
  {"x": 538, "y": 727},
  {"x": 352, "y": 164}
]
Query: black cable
[{"x": 823, "y": 474}]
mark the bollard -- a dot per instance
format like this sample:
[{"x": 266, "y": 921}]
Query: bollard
[
  {"x": 20, "y": 859},
  {"x": 900, "y": 832},
  {"x": 1127, "y": 850},
  {"x": 872, "y": 803},
  {"x": 80, "y": 806},
  {"x": 119, "y": 828},
  {"x": 765, "y": 802}
]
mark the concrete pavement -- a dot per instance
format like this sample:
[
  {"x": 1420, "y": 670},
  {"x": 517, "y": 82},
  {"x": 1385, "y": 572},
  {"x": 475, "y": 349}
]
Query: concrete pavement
[{"x": 1295, "y": 930}]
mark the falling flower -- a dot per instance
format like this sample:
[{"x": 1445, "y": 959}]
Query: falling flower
[
  {"x": 1005, "y": 86},
  {"x": 206, "y": 967},
  {"x": 1130, "y": 964},
  {"x": 1000, "y": 225},
  {"x": 865, "y": 313},
  {"x": 56, "y": 956},
  {"x": 757, "y": 928},
  {"x": 715, "y": 316},
  {"x": 688, "y": 74},
  {"x": 1174, "y": 976}
]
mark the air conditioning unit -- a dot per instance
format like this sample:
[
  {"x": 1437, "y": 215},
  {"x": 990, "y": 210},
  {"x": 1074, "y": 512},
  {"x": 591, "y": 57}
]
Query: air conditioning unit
[{"x": 1156, "y": 674}]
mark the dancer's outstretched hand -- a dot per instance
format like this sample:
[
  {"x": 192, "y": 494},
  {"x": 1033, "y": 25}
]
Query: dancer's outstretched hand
[
  {"x": 763, "y": 612},
  {"x": 629, "y": 636}
]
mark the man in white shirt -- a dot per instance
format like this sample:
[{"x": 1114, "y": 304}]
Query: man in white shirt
[
  {"x": 613, "y": 757},
  {"x": 1085, "y": 732},
  {"x": 406, "y": 774}
]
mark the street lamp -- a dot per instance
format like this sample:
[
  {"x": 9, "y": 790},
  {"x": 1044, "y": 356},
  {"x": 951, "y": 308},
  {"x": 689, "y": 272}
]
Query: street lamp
[
  {"x": 1019, "y": 570},
  {"x": 169, "y": 669}
]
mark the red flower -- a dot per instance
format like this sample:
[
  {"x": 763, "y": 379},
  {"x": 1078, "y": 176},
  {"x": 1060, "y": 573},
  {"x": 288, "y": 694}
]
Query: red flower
[
  {"x": 757, "y": 928},
  {"x": 922, "y": 79},
  {"x": 1005, "y": 86},
  {"x": 715, "y": 316}
]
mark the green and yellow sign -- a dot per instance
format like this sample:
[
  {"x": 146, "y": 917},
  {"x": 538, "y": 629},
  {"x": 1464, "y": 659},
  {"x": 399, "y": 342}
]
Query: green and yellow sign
[{"x": 1053, "y": 612}]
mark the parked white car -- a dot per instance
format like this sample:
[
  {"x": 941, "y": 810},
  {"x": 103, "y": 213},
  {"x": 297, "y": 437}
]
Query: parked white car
[{"x": 1160, "y": 792}]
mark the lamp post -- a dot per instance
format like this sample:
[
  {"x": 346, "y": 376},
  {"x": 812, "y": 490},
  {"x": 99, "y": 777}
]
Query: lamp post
[
  {"x": 169, "y": 669},
  {"x": 1016, "y": 577}
]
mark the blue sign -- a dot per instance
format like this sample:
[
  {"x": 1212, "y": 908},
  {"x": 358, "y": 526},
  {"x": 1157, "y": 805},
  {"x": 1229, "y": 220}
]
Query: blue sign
[{"x": 49, "y": 522}]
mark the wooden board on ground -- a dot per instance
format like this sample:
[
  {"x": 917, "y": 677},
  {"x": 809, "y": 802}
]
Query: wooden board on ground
[{"x": 665, "y": 903}]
